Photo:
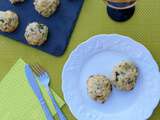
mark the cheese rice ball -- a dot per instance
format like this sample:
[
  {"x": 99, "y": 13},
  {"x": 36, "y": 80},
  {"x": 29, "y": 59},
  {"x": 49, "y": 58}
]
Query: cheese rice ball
[
  {"x": 8, "y": 21},
  {"x": 16, "y": 1},
  {"x": 125, "y": 76},
  {"x": 46, "y": 7},
  {"x": 36, "y": 33},
  {"x": 99, "y": 88}
]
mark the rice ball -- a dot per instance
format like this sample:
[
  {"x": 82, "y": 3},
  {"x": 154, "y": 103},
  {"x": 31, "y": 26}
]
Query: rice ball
[
  {"x": 36, "y": 33},
  {"x": 46, "y": 7},
  {"x": 99, "y": 88},
  {"x": 8, "y": 21},
  {"x": 125, "y": 76},
  {"x": 16, "y": 1}
]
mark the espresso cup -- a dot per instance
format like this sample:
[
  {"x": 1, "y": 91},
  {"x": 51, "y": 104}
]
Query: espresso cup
[{"x": 120, "y": 10}]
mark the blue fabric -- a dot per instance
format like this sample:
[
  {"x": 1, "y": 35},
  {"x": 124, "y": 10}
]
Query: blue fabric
[{"x": 60, "y": 24}]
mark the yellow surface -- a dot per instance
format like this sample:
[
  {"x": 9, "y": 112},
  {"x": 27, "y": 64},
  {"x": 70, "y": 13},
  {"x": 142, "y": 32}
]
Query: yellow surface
[{"x": 144, "y": 27}]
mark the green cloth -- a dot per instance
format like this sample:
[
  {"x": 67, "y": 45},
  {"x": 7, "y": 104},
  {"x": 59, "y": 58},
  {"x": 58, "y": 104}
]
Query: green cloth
[
  {"x": 17, "y": 99},
  {"x": 144, "y": 27}
]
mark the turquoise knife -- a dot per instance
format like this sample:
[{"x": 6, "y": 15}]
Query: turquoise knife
[{"x": 34, "y": 85}]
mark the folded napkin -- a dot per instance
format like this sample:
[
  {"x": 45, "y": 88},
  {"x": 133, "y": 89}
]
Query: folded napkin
[{"x": 18, "y": 101}]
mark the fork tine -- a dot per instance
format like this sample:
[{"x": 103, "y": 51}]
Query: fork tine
[
  {"x": 36, "y": 70},
  {"x": 41, "y": 68}
]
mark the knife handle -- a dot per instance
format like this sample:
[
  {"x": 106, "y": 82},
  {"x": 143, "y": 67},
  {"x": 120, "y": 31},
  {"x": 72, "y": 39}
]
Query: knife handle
[{"x": 46, "y": 110}]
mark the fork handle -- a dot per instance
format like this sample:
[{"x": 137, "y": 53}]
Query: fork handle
[
  {"x": 46, "y": 110},
  {"x": 58, "y": 110}
]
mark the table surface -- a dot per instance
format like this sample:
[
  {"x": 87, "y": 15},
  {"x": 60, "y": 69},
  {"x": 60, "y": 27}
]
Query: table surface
[{"x": 144, "y": 27}]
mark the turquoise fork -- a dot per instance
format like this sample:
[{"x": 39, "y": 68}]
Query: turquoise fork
[{"x": 44, "y": 79}]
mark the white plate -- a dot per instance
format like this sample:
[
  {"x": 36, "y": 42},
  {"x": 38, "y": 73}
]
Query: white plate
[{"x": 98, "y": 55}]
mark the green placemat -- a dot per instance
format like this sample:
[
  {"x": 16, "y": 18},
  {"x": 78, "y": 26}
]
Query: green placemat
[
  {"x": 144, "y": 27},
  {"x": 17, "y": 99}
]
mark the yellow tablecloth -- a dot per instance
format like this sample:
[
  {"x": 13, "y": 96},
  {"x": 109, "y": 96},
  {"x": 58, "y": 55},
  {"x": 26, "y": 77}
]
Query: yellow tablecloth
[{"x": 144, "y": 27}]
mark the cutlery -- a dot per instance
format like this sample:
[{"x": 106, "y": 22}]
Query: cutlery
[
  {"x": 44, "y": 79},
  {"x": 32, "y": 81}
]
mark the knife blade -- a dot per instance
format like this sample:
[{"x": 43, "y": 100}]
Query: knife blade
[{"x": 34, "y": 85}]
